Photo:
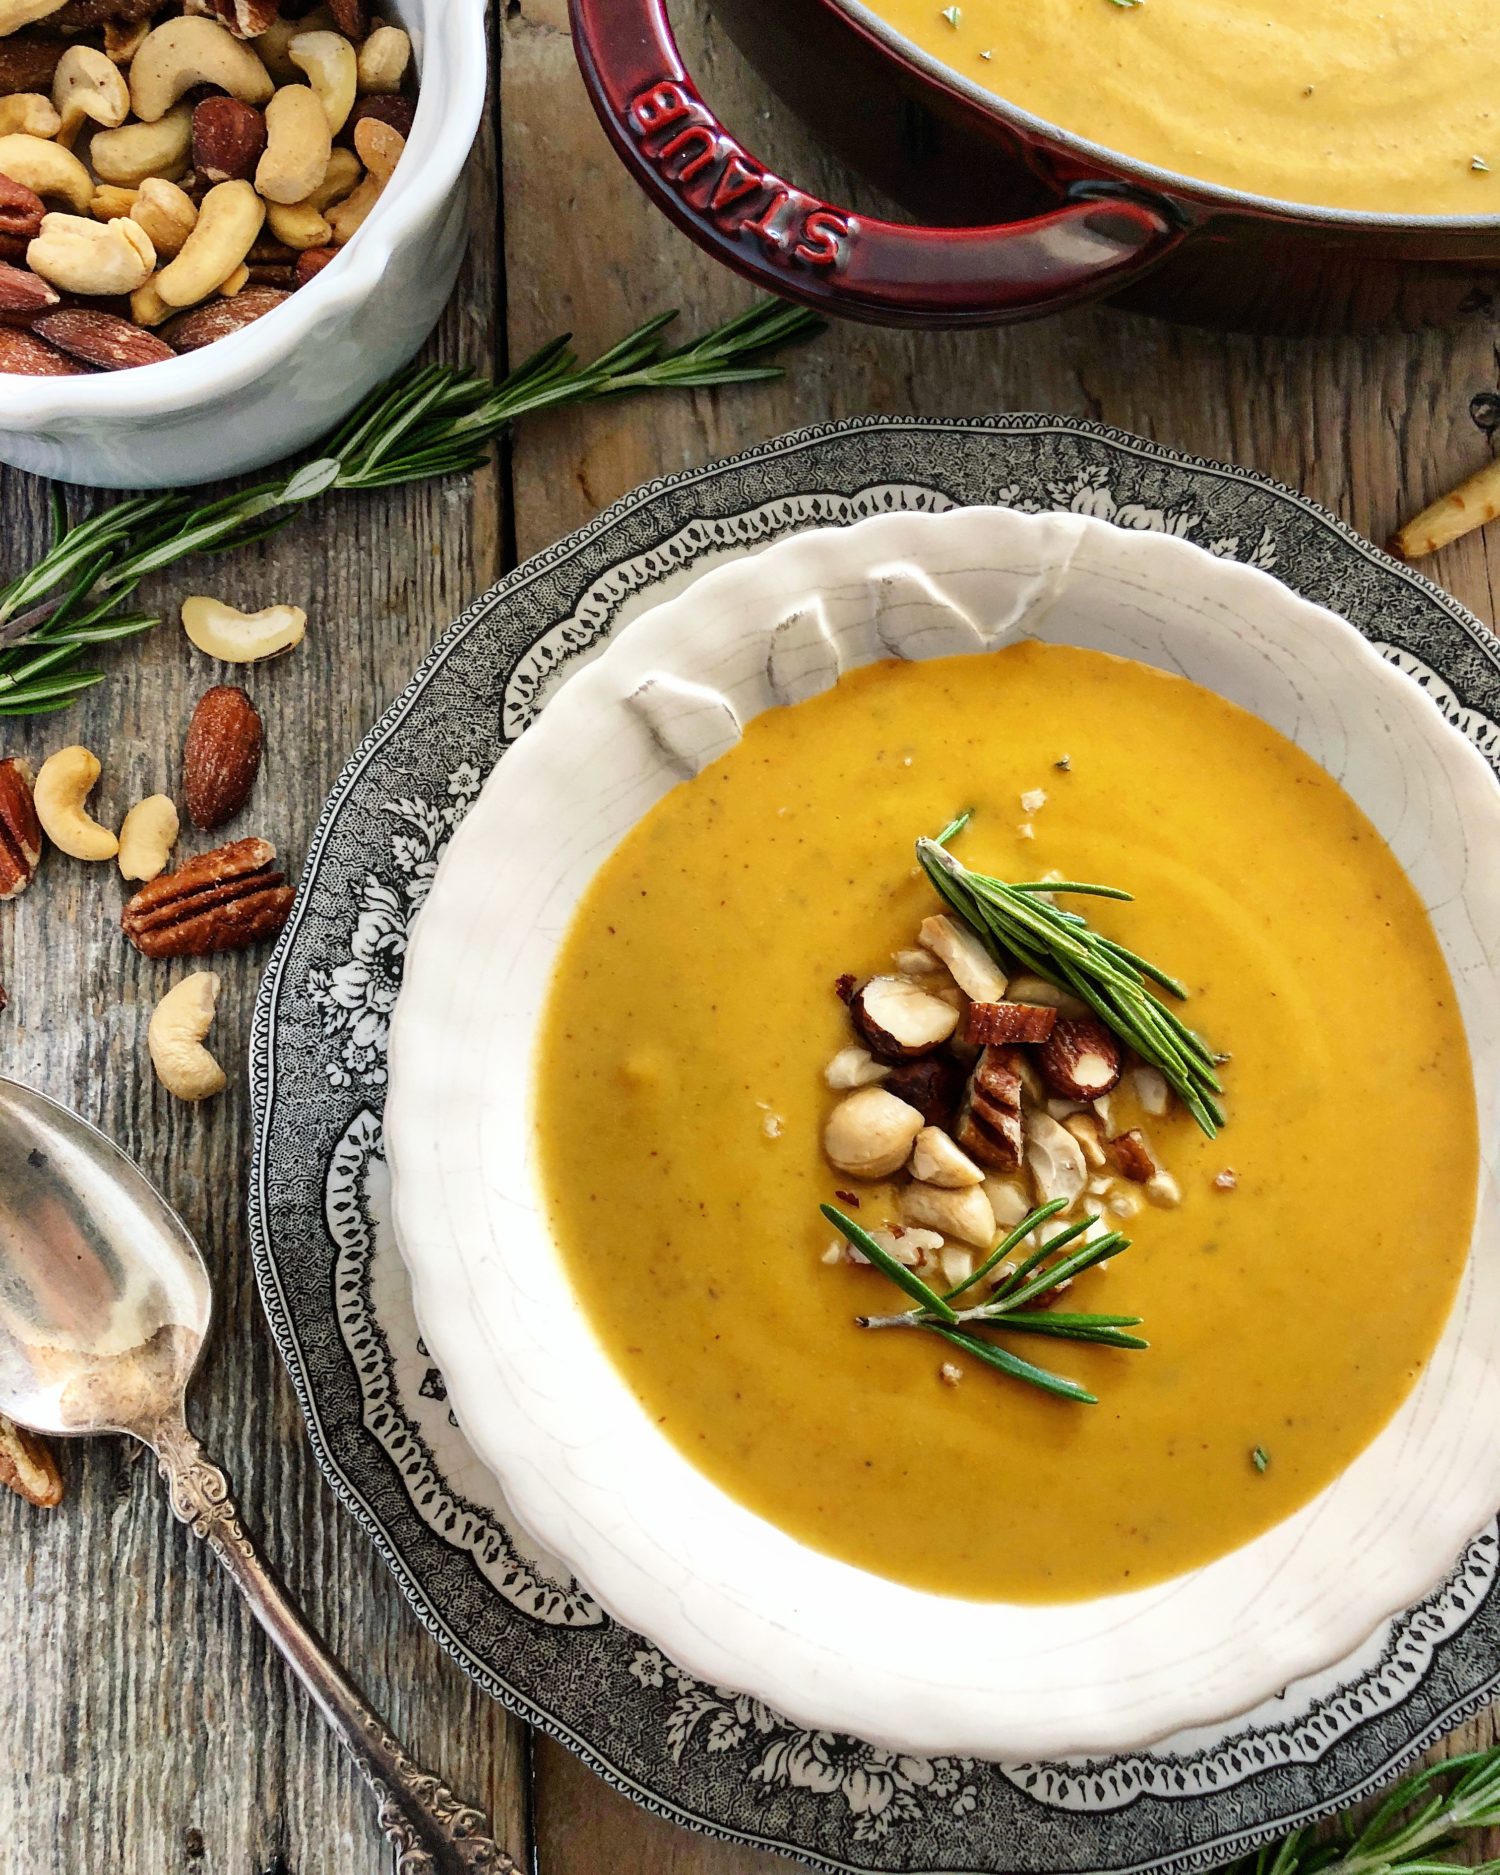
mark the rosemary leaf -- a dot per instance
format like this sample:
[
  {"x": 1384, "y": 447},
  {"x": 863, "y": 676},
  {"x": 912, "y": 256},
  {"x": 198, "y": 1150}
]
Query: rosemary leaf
[
  {"x": 431, "y": 422},
  {"x": 1012, "y": 1364}
]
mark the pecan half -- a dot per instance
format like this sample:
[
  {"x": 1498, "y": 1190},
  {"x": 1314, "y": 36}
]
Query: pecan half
[
  {"x": 221, "y": 756},
  {"x": 30, "y": 358},
  {"x": 20, "y": 830},
  {"x": 21, "y": 209},
  {"x": 27, "y": 1466},
  {"x": 220, "y": 901},
  {"x": 247, "y": 19},
  {"x": 29, "y": 64},
  {"x": 101, "y": 338},
  {"x": 994, "y": 1024}
]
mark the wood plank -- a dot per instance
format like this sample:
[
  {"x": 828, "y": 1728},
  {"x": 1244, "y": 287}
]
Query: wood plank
[
  {"x": 1371, "y": 425},
  {"x": 143, "y": 1710}
]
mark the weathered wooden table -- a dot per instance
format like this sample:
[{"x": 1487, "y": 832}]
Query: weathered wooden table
[{"x": 144, "y": 1725}]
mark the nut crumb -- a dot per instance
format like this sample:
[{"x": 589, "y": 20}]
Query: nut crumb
[
  {"x": 1026, "y": 830},
  {"x": 949, "y": 1374},
  {"x": 1226, "y": 1180},
  {"x": 1063, "y": 762},
  {"x": 1033, "y": 800},
  {"x": 834, "y": 1253}
]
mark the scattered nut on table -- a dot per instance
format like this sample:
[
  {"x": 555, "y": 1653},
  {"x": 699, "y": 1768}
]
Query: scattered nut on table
[
  {"x": 176, "y": 1034},
  {"x": 65, "y": 782},
  {"x": 220, "y": 631},
  {"x": 147, "y": 837}
]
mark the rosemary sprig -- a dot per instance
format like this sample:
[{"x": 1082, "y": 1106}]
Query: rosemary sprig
[
  {"x": 1020, "y": 924},
  {"x": 1008, "y": 1305},
  {"x": 1412, "y": 1832},
  {"x": 432, "y": 422}
]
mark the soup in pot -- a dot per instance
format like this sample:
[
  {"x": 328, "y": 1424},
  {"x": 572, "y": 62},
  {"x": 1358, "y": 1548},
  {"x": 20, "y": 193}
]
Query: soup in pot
[{"x": 1333, "y": 103}]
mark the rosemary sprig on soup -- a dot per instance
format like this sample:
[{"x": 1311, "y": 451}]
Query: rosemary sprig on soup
[{"x": 980, "y": 1074}]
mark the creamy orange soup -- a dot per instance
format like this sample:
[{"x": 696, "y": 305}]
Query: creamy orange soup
[
  {"x": 1333, "y": 102},
  {"x": 680, "y": 1105}
]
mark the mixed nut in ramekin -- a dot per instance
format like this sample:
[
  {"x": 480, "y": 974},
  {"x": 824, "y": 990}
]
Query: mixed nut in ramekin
[{"x": 182, "y": 185}]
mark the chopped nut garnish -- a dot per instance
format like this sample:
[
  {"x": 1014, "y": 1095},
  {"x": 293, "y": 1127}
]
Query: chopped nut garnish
[
  {"x": 937, "y": 1161},
  {"x": 1164, "y": 1190},
  {"x": 898, "y": 1019},
  {"x": 870, "y": 1133},
  {"x": 1054, "y": 1158},
  {"x": 995, "y": 1024},
  {"x": 969, "y": 964},
  {"x": 932, "y": 1085},
  {"x": 964, "y": 1214},
  {"x": 1086, "y": 1130},
  {"x": 1033, "y": 800},
  {"x": 854, "y": 1067},
  {"x": 989, "y": 1116},
  {"x": 1080, "y": 1059},
  {"x": 1226, "y": 1180},
  {"x": 1151, "y": 1090},
  {"x": 949, "y": 1374},
  {"x": 1133, "y": 1156}
]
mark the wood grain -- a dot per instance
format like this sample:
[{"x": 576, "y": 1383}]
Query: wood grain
[{"x": 149, "y": 1729}]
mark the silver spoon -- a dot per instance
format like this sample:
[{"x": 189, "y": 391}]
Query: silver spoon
[{"x": 105, "y": 1303}]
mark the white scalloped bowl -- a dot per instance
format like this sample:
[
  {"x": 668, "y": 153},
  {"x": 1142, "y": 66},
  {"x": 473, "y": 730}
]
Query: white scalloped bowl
[{"x": 732, "y": 1599}]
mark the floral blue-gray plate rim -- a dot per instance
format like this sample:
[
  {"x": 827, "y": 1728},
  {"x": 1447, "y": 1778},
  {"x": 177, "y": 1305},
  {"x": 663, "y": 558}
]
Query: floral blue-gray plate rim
[{"x": 339, "y": 1303}]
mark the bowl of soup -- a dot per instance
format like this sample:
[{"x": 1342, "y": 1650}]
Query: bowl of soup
[
  {"x": 670, "y": 1010},
  {"x": 1301, "y": 163}
]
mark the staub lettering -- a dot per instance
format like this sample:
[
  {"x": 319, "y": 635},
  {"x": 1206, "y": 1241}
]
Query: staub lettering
[{"x": 716, "y": 176}]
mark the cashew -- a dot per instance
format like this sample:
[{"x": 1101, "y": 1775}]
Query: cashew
[
  {"x": 965, "y": 1214},
  {"x": 187, "y": 52},
  {"x": 147, "y": 837},
  {"x": 236, "y": 283},
  {"x": 383, "y": 59},
  {"x": 340, "y": 179},
  {"x": 969, "y": 964},
  {"x": 147, "y": 307},
  {"x": 379, "y": 147},
  {"x": 62, "y": 786},
  {"x": 351, "y": 214},
  {"x": 48, "y": 169},
  {"x": 135, "y": 151},
  {"x": 92, "y": 257},
  {"x": 86, "y": 87},
  {"x": 242, "y": 637},
  {"x": 854, "y": 1067},
  {"x": 272, "y": 45},
  {"x": 29, "y": 114},
  {"x": 1039, "y": 990},
  {"x": 332, "y": 69},
  {"x": 1086, "y": 1130},
  {"x": 298, "y": 148},
  {"x": 298, "y": 224},
  {"x": 14, "y": 14},
  {"x": 178, "y": 1025},
  {"x": 1163, "y": 1189},
  {"x": 935, "y": 1160},
  {"x": 229, "y": 220},
  {"x": 167, "y": 213},
  {"x": 1054, "y": 1159},
  {"x": 111, "y": 202},
  {"x": 870, "y": 1133}
]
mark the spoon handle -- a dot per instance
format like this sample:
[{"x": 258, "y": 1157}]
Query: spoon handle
[{"x": 432, "y": 1832}]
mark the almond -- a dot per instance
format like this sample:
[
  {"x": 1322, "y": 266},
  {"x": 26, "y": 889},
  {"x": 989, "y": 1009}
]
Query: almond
[
  {"x": 21, "y": 209},
  {"x": 994, "y": 1024},
  {"x": 101, "y": 338},
  {"x": 20, "y": 830},
  {"x": 352, "y": 17},
  {"x": 229, "y": 139},
  {"x": 28, "y": 356},
  {"x": 27, "y": 1466},
  {"x": 221, "y": 756},
  {"x": 1080, "y": 1059},
  {"x": 189, "y": 331},
  {"x": 311, "y": 262},
  {"x": 24, "y": 292}
]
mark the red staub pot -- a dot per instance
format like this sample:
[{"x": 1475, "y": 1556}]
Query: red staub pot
[{"x": 1020, "y": 217}]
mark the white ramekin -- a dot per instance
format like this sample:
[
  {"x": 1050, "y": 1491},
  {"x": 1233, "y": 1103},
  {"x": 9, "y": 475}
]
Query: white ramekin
[{"x": 269, "y": 390}]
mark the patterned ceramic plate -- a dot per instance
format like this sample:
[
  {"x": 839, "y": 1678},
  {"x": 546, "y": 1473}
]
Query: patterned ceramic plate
[{"x": 338, "y": 1297}]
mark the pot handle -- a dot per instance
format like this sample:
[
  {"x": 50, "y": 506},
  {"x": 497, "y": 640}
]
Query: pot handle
[{"x": 806, "y": 249}]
